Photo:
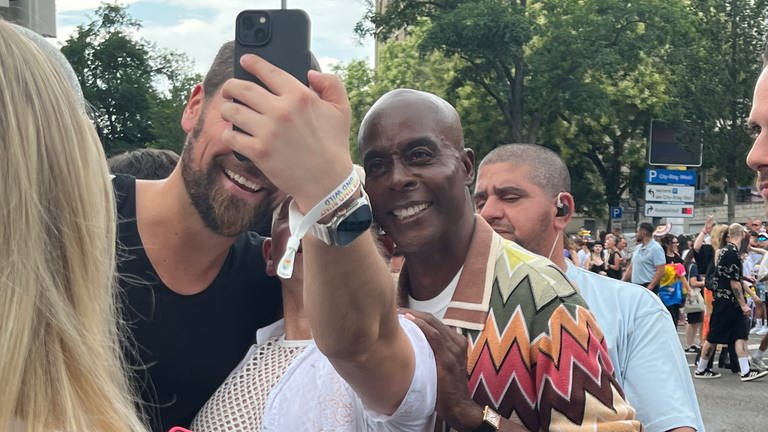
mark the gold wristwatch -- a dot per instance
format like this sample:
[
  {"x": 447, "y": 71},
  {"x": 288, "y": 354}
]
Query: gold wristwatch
[{"x": 491, "y": 421}]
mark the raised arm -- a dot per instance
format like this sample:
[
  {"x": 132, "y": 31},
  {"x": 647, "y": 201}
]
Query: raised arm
[
  {"x": 699, "y": 241},
  {"x": 299, "y": 139}
]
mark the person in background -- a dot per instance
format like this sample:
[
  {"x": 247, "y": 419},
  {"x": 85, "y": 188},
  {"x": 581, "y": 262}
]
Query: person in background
[
  {"x": 641, "y": 342},
  {"x": 145, "y": 163},
  {"x": 685, "y": 243},
  {"x": 612, "y": 258},
  {"x": 647, "y": 265},
  {"x": 643, "y": 346},
  {"x": 729, "y": 310},
  {"x": 595, "y": 260},
  {"x": 584, "y": 249},
  {"x": 579, "y": 256},
  {"x": 670, "y": 243},
  {"x": 757, "y": 243},
  {"x": 60, "y": 363},
  {"x": 694, "y": 319},
  {"x": 570, "y": 249}
]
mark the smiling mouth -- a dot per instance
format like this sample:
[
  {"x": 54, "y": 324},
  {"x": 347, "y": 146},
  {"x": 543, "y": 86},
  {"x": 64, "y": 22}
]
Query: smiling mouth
[
  {"x": 241, "y": 181},
  {"x": 409, "y": 212}
]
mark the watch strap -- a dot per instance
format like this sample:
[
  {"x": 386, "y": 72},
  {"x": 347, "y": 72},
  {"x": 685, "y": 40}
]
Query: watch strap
[
  {"x": 300, "y": 223},
  {"x": 329, "y": 234}
]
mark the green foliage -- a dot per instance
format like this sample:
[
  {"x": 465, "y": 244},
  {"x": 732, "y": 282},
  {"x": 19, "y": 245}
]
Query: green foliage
[
  {"x": 583, "y": 77},
  {"x": 586, "y": 77},
  {"x": 122, "y": 77},
  {"x": 715, "y": 83},
  {"x": 402, "y": 65}
]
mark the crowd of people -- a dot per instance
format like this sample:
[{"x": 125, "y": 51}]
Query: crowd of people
[
  {"x": 148, "y": 302},
  {"x": 676, "y": 268}
]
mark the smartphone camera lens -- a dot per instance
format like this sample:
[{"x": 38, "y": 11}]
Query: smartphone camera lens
[
  {"x": 260, "y": 36},
  {"x": 248, "y": 23},
  {"x": 253, "y": 28}
]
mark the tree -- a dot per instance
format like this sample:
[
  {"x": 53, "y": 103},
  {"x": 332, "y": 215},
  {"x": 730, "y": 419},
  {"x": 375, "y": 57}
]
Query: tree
[
  {"x": 401, "y": 65},
  {"x": 716, "y": 78},
  {"x": 119, "y": 75},
  {"x": 582, "y": 76}
]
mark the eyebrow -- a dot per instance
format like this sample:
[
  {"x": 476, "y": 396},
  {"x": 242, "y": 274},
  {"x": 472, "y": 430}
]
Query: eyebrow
[
  {"x": 416, "y": 142},
  {"x": 507, "y": 190}
]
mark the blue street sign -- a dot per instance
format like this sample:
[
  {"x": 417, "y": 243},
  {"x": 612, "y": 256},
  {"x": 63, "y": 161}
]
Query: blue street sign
[
  {"x": 615, "y": 212},
  {"x": 665, "y": 176}
]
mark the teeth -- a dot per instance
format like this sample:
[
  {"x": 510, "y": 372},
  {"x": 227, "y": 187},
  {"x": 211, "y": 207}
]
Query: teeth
[
  {"x": 242, "y": 181},
  {"x": 410, "y": 211}
]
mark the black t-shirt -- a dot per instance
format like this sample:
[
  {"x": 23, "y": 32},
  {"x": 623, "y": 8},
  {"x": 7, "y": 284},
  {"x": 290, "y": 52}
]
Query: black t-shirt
[
  {"x": 728, "y": 268},
  {"x": 187, "y": 344},
  {"x": 613, "y": 259}
]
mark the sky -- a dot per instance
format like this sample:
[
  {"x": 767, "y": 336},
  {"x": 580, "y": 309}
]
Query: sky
[{"x": 198, "y": 27}]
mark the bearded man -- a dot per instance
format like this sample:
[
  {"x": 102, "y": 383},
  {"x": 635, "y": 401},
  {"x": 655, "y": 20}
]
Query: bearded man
[{"x": 192, "y": 277}]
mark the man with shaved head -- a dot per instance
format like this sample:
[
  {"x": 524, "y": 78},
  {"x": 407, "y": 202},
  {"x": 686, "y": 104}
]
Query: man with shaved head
[
  {"x": 519, "y": 324},
  {"x": 532, "y": 206}
]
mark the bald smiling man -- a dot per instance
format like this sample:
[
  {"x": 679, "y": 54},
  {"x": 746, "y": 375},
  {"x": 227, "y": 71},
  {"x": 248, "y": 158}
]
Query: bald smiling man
[{"x": 518, "y": 324}]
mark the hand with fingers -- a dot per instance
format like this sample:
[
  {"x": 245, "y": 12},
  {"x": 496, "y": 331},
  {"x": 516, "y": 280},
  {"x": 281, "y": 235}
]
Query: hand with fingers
[
  {"x": 454, "y": 402},
  {"x": 297, "y": 135}
]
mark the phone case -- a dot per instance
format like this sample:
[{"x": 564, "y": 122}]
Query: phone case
[{"x": 286, "y": 45}]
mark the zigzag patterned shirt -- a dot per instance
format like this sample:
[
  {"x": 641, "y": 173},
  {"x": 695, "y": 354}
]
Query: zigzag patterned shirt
[{"x": 536, "y": 354}]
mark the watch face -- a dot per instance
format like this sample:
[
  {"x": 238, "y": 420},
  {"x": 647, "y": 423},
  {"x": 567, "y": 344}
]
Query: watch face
[
  {"x": 494, "y": 418},
  {"x": 353, "y": 225}
]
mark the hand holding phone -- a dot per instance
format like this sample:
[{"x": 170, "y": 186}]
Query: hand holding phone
[{"x": 279, "y": 36}]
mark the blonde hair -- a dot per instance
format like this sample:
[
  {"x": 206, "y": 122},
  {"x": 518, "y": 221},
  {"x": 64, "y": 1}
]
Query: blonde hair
[
  {"x": 718, "y": 236},
  {"x": 60, "y": 362}
]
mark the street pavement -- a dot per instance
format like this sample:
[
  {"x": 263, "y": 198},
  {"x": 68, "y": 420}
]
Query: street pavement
[{"x": 727, "y": 404}]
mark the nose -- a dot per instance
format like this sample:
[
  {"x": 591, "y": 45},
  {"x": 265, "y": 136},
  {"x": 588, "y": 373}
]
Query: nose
[
  {"x": 401, "y": 177},
  {"x": 757, "y": 157},
  {"x": 492, "y": 209}
]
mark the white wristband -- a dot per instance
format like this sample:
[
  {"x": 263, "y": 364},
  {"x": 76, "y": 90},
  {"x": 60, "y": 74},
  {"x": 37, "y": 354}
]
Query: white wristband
[{"x": 300, "y": 224}]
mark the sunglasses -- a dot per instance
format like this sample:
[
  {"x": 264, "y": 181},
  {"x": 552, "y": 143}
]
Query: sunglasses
[{"x": 762, "y": 238}]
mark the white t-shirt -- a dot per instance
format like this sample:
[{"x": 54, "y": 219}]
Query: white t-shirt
[
  {"x": 312, "y": 396},
  {"x": 644, "y": 348},
  {"x": 438, "y": 304}
]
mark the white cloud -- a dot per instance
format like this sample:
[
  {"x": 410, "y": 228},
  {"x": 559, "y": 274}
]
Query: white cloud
[
  {"x": 79, "y": 5},
  {"x": 199, "y": 27}
]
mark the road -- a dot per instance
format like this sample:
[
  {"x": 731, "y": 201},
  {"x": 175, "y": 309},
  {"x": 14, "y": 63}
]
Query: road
[{"x": 729, "y": 405}]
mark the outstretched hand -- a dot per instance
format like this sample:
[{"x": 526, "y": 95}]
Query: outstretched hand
[
  {"x": 297, "y": 135},
  {"x": 454, "y": 403}
]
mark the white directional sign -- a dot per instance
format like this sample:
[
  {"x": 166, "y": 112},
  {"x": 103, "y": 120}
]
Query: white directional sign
[
  {"x": 669, "y": 193},
  {"x": 653, "y": 209}
]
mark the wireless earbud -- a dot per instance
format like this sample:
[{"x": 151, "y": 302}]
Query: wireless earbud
[{"x": 562, "y": 208}]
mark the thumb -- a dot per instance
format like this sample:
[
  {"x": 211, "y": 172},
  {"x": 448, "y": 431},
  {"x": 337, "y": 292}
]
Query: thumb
[{"x": 329, "y": 87}]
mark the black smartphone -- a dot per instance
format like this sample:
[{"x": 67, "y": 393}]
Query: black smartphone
[{"x": 280, "y": 36}]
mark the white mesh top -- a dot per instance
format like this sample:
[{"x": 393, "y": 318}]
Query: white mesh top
[
  {"x": 290, "y": 385},
  {"x": 238, "y": 404}
]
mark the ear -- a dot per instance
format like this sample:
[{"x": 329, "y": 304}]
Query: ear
[
  {"x": 266, "y": 252},
  {"x": 569, "y": 204},
  {"x": 468, "y": 160},
  {"x": 193, "y": 108}
]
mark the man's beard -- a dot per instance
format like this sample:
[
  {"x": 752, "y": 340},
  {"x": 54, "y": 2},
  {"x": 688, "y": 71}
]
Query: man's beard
[{"x": 221, "y": 212}]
